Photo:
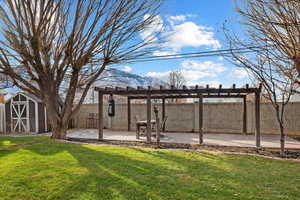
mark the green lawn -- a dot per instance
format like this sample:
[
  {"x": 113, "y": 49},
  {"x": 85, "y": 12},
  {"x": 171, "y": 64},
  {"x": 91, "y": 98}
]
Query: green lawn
[{"x": 44, "y": 169}]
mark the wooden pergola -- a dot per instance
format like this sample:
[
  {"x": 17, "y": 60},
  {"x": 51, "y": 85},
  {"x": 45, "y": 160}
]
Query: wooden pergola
[{"x": 164, "y": 93}]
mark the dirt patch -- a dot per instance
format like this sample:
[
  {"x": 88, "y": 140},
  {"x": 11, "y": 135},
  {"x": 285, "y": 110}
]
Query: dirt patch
[{"x": 268, "y": 152}]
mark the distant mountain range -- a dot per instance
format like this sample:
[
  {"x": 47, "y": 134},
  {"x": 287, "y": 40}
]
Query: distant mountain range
[
  {"x": 117, "y": 78},
  {"x": 113, "y": 77}
]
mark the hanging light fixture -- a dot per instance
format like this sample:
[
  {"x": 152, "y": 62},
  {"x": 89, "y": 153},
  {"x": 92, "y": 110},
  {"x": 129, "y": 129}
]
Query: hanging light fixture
[{"x": 111, "y": 106}]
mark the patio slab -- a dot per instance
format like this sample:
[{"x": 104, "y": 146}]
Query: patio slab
[{"x": 268, "y": 141}]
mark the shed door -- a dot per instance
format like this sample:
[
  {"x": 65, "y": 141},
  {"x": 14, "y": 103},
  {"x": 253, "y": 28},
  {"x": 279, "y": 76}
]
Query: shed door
[{"x": 19, "y": 117}]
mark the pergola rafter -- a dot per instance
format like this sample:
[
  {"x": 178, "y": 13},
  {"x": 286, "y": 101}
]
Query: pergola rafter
[{"x": 171, "y": 92}]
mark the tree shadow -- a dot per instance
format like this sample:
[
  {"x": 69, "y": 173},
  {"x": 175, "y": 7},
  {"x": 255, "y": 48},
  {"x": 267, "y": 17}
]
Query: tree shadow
[
  {"x": 142, "y": 174},
  {"x": 110, "y": 172}
]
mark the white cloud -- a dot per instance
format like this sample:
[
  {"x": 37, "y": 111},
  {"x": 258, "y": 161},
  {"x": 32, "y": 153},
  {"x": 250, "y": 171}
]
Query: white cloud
[
  {"x": 189, "y": 75},
  {"x": 192, "y": 35},
  {"x": 193, "y": 71},
  {"x": 127, "y": 69},
  {"x": 160, "y": 75},
  {"x": 149, "y": 33},
  {"x": 209, "y": 67},
  {"x": 221, "y": 58},
  {"x": 178, "y": 18},
  {"x": 214, "y": 84},
  {"x": 164, "y": 53},
  {"x": 180, "y": 33},
  {"x": 239, "y": 73}
]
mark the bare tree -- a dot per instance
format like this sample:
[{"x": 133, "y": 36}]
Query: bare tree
[
  {"x": 271, "y": 31},
  {"x": 274, "y": 23},
  {"x": 50, "y": 46},
  {"x": 176, "y": 79},
  {"x": 266, "y": 68},
  {"x": 277, "y": 87}
]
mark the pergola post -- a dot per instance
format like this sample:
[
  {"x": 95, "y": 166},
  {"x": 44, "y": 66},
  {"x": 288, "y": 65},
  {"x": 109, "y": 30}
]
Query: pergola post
[
  {"x": 100, "y": 113},
  {"x": 200, "y": 119},
  {"x": 163, "y": 113},
  {"x": 128, "y": 114},
  {"x": 257, "y": 119},
  {"x": 148, "y": 118},
  {"x": 244, "y": 115}
]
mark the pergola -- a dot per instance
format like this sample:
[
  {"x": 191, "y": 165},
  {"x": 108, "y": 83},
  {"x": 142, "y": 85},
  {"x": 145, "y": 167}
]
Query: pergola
[{"x": 171, "y": 92}]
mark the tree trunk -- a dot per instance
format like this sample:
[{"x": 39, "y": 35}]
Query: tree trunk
[
  {"x": 282, "y": 141},
  {"x": 59, "y": 132},
  {"x": 59, "y": 126}
]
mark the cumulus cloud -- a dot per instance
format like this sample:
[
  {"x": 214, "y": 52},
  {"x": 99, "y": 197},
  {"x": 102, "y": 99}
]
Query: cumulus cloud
[
  {"x": 213, "y": 84},
  {"x": 127, "y": 69},
  {"x": 189, "y": 34},
  {"x": 160, "y": 75},
  {"x": 149, "y": 33},
  {"x": 193, "y": 71},
  {"x": 180, "y": 33},
  {"x": 179, "y": 18},
  {"x": 163, "y": 53},
  {"x": 210, "y": 67},
  {"x": 239, "y": 73}
]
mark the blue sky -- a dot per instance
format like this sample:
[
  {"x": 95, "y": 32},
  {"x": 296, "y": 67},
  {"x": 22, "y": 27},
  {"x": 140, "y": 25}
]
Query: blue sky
[{"x": 196, "y": 25}]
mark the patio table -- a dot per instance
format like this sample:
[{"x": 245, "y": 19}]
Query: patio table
[{"x": 140, "y": 124}]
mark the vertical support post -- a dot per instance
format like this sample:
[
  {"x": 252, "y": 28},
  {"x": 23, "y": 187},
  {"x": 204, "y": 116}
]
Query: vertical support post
[
  {"x": 157, "y": 132},
  {"x": 163, "y": 113},
  {"x": 128, "y": 114},
  {"x": 257, "y": 119},
  {"x": 100, "y": 113},
  {"x": 137, "y": 131},
  {"x": 200, "y": 119},
  {"x": 245, "y": 115},
  {"x": 157, "y": 126},
  {"x": 148, "y": 118}
]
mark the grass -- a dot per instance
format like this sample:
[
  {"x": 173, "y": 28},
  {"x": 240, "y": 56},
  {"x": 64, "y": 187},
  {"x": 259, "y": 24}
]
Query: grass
[{"x": 45, "y": 169}]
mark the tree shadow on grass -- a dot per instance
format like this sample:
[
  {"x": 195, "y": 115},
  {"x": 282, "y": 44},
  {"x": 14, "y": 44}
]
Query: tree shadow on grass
[
  {"x": 114, "y": 174},
  {"x": 93, "y": 172}
]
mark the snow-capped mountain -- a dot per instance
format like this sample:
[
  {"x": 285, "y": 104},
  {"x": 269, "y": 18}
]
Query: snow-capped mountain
[{"x": 113, "y": 77}]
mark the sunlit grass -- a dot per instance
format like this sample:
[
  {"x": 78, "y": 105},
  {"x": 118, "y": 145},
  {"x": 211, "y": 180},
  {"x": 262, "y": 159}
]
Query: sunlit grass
[
  {"x": 12, "y": 141},
  {"x": 52, "y": 170}
]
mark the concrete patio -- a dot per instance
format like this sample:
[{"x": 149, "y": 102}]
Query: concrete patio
[{"x": 236, "y": 140}]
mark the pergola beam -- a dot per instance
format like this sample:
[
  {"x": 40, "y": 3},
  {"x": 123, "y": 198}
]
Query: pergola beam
[
  {"x": 175, "y": 91},
  {"x": 187, "y": 96}
]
